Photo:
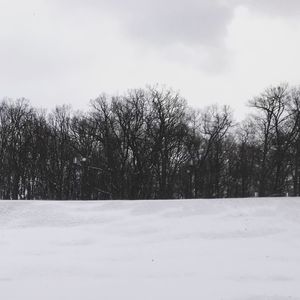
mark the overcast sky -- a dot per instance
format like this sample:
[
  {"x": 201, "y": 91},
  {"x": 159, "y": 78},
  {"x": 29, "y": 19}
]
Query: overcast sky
[{"x": 212, "y": 51}]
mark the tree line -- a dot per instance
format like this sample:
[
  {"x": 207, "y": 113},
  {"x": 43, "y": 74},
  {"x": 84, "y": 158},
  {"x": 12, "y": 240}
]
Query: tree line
[{"x": 148, "y": 144}]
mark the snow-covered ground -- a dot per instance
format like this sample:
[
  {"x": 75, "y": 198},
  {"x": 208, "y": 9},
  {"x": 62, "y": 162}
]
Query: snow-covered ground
[{"x": 150, "y": 250}]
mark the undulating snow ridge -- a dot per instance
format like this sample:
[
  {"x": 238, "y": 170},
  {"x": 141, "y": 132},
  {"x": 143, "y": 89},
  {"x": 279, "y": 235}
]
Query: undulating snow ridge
[{"x": 237, "y": 249}]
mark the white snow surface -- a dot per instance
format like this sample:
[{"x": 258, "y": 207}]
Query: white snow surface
[{"x": 237, "y": 249}]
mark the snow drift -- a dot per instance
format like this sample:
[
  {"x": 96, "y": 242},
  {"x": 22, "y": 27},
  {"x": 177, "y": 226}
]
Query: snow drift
[{"x": 150, "y": 250}]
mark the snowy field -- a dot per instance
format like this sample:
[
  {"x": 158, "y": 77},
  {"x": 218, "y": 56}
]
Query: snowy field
[{"x": 150, "y": 250}]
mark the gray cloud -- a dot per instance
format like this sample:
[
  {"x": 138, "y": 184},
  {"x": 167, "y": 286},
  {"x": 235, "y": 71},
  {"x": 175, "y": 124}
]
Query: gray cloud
[
  {"x": 184, "y": 22},
  {"x": 190, "y": 22},
  {"x": 200, "y": 25},
  {"x": 195, "y": 27},
  {"x": 282, "y": 8}
]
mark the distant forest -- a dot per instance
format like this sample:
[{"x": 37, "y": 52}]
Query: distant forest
[{"x": 149, "y": 144}]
